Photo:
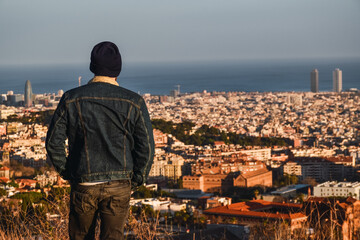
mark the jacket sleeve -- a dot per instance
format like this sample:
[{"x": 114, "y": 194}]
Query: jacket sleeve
[
  {"x": 55, "y": 138},
  {"x": 143, "y": 152}
]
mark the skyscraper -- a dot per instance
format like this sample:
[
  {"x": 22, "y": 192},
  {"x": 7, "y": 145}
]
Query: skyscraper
[
  {"x": 314, "y": 80},
  {"x": 28, "y": 94},
  {"x": 337, "y": 80}
]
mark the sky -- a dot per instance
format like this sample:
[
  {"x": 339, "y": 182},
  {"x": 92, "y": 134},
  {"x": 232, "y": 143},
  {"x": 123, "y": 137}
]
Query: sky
[{"x": 63, "y": 32}]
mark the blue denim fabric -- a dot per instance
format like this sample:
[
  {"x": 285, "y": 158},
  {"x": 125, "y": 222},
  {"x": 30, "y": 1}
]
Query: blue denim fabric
[{"x": 109, "y": 135}]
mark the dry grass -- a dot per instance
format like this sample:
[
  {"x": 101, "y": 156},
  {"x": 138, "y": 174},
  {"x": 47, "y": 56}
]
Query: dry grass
[
  {"x": 33, "y": 223},
  {"x": 142, "y": 227},
  {"x": 29, "y": 224},
  {"x": 25, "y": 225}
]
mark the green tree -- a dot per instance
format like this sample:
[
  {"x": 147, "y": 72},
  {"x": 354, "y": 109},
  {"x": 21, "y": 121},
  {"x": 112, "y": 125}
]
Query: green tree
[
  {"x": 143, "y": 192},
  {"x": 182, "y": 217},
  {"x": 13, "y": 184},
  {"x": 3, "y": 192}
]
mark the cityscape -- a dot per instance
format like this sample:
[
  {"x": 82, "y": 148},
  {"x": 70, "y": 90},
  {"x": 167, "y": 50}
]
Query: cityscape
[{"x": 225, "y": 163}]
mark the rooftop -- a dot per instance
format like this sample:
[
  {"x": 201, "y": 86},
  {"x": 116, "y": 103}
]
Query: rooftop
[
  {"x": 256, "y": 209},
  {"x": 335, "y": 184}
]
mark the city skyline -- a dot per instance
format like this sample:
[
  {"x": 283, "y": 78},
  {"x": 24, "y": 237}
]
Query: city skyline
[
  {"x": 222, "y": 148},
  {"x": 159, "y": 79}
]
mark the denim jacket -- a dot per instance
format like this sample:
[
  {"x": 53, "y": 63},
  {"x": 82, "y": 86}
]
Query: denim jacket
[{"x": 109, "y": 135}]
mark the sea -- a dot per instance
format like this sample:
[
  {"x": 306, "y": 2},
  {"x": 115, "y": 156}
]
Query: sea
[{"x": 159, "y": 78}]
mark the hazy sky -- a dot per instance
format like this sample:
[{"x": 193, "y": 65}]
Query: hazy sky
[{"x": 49, "y": 31}]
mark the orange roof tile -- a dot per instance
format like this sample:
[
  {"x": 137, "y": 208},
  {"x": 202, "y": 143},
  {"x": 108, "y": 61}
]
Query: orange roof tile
[
  {"x": 260, "y": 204},
  {"x": 23, "y": 180},
  {"x": 227, "y": 211},
  {"x": 253, "y": 209},
  {"x": 4, "y": 179}
]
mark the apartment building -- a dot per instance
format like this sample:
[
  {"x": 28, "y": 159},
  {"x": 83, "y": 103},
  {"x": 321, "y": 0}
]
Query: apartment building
[
  {"x": 338, "y": 189},
  {"x": 322, "y": 168},
  {"x": 167, "y": 165},
  {"x": 258, "y": 154}
]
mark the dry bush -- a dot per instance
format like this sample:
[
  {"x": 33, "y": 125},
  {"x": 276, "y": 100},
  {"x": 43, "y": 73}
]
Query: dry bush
[
  {"x": 281, "y": 230},
  {"x": 30, "y": 225},
  {"x": 141, "y": 227},
  {"x": 19, "y": 225},
  {"x": 34, "y": 223}
]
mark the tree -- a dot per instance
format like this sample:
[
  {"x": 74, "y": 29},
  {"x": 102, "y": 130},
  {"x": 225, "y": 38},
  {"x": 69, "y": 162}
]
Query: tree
[
  {"x": 207, "y": 135},
  {"x": 182, "y": 217},
  {"x": 3, "y": 192},
  {"x": 309, "y": 180},
  {"x": 300, "y": 197},
  {"x": 256, "y": 193},
  {"x": 143, "y": 192},
  {"x": 13, "y": 184}
]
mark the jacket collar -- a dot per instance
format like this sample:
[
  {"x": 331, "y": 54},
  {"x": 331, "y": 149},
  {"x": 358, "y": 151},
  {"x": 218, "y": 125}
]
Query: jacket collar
[{"x": 104, "y": 79}]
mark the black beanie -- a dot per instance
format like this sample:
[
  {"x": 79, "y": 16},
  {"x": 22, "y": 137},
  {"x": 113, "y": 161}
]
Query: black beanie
[{"x": 105, "y": 60}]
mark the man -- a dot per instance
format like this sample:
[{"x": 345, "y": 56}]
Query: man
[{"x": 111, "y": 147}]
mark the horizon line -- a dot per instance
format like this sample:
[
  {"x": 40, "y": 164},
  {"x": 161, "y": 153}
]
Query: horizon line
[{"x": 182, "y": 61}]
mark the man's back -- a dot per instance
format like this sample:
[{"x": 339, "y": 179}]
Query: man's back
[
  {"x": 103, "y": 119},
  {"x": 110, "y": 144}
]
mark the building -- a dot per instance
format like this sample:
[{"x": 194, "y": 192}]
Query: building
[
  {"x": 4, "y": 113},
  {"x": 257, "y": 211},
  {"x": 163, "y": 206},
  {"x": 294, "y": 99},
  {"x": 261, "y": 177},
  {"x": 314, "y": 81},
  {"x": 48, "y": 177},
  {"x": 4, "y": 172},
  {"x": 207, "y": 202},
  {"x": 258, "y": 154},
  {"x": 160, "y": 138},
  {"x": 209, "y": 182},
  {"x": 15, "y": 100},
  {"x": 322, "y": 168},
  {"x": 2, "y": 129},
  {"x": 167, "y": 165},
  {"x": 26, "y": 183},
  {"x": 287, "y": 193},
  {"x": 337, "y": 80},
  {"x": 338, "y": 189},
  {"x": 60, "y": 93},
  {"x": 28, "y": 94},
  {"x": 292, "y": 168},
  {"x": 222, "y": 182},
  {"x": 227, "y": 164},
  {"x": 4, "y": 157}
]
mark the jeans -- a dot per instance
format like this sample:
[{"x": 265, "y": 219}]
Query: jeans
[{"x": 108, "y": 200}]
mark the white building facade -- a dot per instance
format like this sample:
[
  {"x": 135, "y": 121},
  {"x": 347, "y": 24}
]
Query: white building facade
[{"x": 338, "y": 189}]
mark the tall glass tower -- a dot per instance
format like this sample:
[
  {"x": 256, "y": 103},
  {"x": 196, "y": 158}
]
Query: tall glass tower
[
  {"x": 337, "y": 80},
  {"x": 28, "y": 94},
  {"x": 314, "y": 80}
]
